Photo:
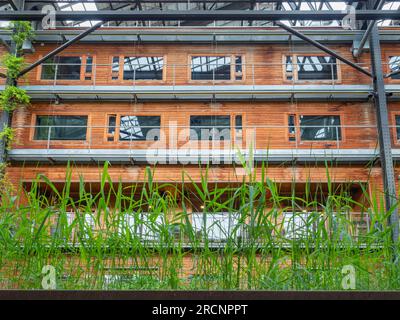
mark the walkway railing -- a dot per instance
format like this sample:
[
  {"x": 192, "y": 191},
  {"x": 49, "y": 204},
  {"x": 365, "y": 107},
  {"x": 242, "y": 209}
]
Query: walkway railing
[
  {"x": 161, "y": 73},
  {"x": 174, "y": 137}
]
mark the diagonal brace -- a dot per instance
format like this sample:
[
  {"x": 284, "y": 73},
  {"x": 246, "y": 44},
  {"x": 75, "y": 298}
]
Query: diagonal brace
[
  {"x": 358, "y": 51},
  {"x": 323, "y": 48},
  {"x": 61, "y": 48}
]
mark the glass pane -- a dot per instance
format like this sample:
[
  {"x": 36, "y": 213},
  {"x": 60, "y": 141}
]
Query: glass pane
[
  {"x": 289, "y": 68},
  {"x": 323, "y": 127},
  {"x": 394, "y": 65},
  {"x": 112, "y": 121},
  {"x": 61, "y": 127},
  {"x": 292, "y": 128},
  {"x": 89, "y": 64},
  {"x": 139, "y": 128},
  {"x": 238, "y": 64},
  {"x": 398, "y": 127},
  {"x": 238, "y": 122},
  {"x": 48, "y": 70},
  {"x": 316, "y": 68},
  {"x": 62, "y": 68},
  {"x": 210, "y": 127},
  {"x": 115, "y": 68},
  {"x": 143, "y": 68},
  {"x": 211, "y": 68}
]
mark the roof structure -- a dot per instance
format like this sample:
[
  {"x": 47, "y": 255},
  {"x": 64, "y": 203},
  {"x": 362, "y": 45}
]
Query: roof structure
[{"x": 267, "y": 6}]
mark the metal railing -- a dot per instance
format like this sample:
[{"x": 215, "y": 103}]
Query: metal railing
[
  {"x": 173, "y": 137},
  {"x": 217, "y": 228},
  {"x": 182, "y": 74}
]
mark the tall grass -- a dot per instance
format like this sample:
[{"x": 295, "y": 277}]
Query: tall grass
[{"x": 163, "y": 249}]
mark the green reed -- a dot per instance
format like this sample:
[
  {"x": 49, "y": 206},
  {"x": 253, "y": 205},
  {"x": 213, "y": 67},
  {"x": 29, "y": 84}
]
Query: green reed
[{"x": 162, "y": 249}]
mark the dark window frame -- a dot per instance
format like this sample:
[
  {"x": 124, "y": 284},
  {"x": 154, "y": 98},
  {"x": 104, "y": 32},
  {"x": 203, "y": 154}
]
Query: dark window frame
[
  {"x": 236, "y": 72},
  {"x": 291, "y": 68},
  {"x": 155, "y": 63},
  {"x": 55, "y": 65},
  {"x": 143, "y": 134},
  {"x": 397, "y": 127},
  {"x": 390, "y": 70},
  {"x": 336, "y": 133},
  {"x": 200, "y": 130},
  {"x": 38, "y": 136}
]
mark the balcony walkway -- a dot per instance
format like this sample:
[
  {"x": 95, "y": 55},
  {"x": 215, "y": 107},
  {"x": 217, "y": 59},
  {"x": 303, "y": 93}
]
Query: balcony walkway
[
  {"x": 195, "y": 156},
  {"x": 202, "y": 92}
]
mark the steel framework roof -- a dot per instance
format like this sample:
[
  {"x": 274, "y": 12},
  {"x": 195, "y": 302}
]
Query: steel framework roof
[{"x": 194, "y": 12}]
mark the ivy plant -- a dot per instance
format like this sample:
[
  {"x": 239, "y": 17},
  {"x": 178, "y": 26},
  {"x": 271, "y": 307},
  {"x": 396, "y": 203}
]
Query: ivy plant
[
  {"x": 13, "y": 97},
  {"x": 7, "y": 135},
  {"x": 22, "y": 31},
  {"x": 13, "y": 64}
]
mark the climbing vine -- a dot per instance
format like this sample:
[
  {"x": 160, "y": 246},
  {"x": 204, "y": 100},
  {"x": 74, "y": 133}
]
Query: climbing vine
[
  {"x": 13, "y": 97},
  {"x": 13, "y": 65},
  {"x": 7, "y": 135},
  {"x": 21, "y": 32}
]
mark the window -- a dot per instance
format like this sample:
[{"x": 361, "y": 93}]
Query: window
[
  {"x": 143, "y": 68},
  {"x": 238, "y": 127},
  {"x": 60, "y": 128},
  {"x": 139, "y": 128},
  {"x": 397, "y": 117},
  {"x": 88, "y": 68},
  {"x": 211, "y": 68},
  {"x": 218, "y": 226},
  {"x": 394, "y": 65},
  {"x": 311, "y": 68},
  {"x": 292, "y": 127},
  {"x": 210, "y": 127},
  {"x": 238, "y": 68},
  {"x": 299, "y": 225},
  {"x": 115, "y": 68},
  {"x": 62, "y": 68},
  {"x": 112, "y": 122},
  {"x": 324, "y": 127}
]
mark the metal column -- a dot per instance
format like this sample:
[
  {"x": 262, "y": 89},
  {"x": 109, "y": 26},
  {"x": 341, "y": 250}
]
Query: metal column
[{"x": 385, "y": 145}]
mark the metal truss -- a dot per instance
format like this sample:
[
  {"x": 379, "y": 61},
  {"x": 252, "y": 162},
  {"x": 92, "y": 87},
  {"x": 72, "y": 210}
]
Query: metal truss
[{"x": 198, "y": 15}]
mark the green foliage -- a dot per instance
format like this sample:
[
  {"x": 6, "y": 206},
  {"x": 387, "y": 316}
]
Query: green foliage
[
  {"x": 7, "y": 136},
  {"x": 13, "y": 97},
  {"x": 13, "y": 65},
  {"x": 22, "y": 30},
  {"x": 117, "y": 256}
]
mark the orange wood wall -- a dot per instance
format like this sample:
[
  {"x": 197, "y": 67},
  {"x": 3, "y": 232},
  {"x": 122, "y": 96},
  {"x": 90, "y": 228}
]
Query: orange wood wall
[
  {"x": 357, "y": 120},
  {"x": 267, "y": 59}
]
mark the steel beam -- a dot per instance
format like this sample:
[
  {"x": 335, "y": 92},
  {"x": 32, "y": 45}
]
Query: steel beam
[
  {"x": 61, "y": 48},
  {"x": 323, "y": 48},
  {"x": 199, "y": 15},
  {"x": 384, "y": 136},
  {"x": 15, "y": 4},
  {"x": 358, "y": 51},
  {"x": 392, "y": 74},
  {"x": 156, "y": 1}
]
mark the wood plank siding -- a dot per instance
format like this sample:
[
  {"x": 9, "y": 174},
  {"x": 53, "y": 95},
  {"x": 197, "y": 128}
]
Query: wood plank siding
[
  {"x": 267, "y": 121},
  {"x": 262, "y": 65}
]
